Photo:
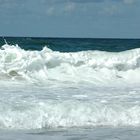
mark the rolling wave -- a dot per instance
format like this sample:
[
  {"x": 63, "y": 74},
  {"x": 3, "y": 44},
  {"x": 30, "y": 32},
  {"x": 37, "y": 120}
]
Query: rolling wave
[
  {"x": 29, "y": 106},
  {"x": 98, "y": 67}
]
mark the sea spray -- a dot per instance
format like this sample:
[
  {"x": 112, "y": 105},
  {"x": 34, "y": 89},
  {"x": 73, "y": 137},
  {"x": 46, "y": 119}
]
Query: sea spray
[{"x": 97, "y": 67}]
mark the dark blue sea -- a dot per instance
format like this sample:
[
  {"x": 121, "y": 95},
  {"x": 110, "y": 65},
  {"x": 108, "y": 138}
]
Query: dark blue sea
[
  {"x": 73, "y": 44},
  {"x": 69, "y": 89}
]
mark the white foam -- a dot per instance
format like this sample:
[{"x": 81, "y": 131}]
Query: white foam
[
  {"x": 97, "y": 67},
  {"x": 67, "y": 114},
  {"x": 78, "y": 102}
]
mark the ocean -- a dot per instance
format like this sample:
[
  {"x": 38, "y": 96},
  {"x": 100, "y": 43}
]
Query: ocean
[{"x": 69, "y": 89}]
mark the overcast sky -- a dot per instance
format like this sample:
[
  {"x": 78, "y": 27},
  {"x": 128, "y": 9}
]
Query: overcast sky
[{"x": 70, "y": 18}]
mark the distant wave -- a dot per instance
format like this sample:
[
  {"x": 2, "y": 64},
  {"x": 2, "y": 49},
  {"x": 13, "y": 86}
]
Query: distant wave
[{"x": 97, "y": 67}]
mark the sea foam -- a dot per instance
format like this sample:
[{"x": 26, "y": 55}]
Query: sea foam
[
  {"x": 67, "y": 114},
  {"x": 97, "y": 67},
  {"x": 79, "y": 101}
]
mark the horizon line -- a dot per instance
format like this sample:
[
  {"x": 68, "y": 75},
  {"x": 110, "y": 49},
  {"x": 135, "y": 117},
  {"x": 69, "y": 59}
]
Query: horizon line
[{"x": 67, "y": 37}]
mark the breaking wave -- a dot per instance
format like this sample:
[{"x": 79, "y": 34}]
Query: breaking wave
[
  {"x": 37, "y": 107},
  {"x": 97, "y": 67}
]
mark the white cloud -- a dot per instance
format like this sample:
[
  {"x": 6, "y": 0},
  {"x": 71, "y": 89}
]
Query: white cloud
[
  {"x": 111, "y": 10},
  {"x": 65, "y": 8},
  {"x": 50, "y": 11},
  {"x": 69, "y": 7},
  {"x": 129, "y": 1}
]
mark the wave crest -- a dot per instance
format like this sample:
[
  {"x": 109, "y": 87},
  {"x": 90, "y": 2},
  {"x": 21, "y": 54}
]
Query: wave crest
[{"x": 92, "y": 66}]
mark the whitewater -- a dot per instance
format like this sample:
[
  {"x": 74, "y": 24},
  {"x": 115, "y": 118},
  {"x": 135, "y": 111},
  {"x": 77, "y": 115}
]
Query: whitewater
[
  {"x": 94, "y": 92},
  {"x": 97, "y": 67}
]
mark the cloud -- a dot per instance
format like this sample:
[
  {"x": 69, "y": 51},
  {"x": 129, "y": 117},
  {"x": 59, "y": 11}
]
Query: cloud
[
  {"x": 111, "y": 10},
  {"x": 86, "y": 1},
  {"x": 64, "y": 9},
  {"x": 50, "y": 10},
  {"x": 90, "y": 1},
  {"x": 69, "y": 7},
  {"x": 61, "y": 7},
  {"x": 13, "y": 7},
  {"x": 129, "y": 1}
]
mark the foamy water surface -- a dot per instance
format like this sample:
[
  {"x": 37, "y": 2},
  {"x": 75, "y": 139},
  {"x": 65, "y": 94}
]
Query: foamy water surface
[{"x": 91, "y": 93}]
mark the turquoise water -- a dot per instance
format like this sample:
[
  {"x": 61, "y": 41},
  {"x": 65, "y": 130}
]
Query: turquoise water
[{"x": 56, "y": 88}]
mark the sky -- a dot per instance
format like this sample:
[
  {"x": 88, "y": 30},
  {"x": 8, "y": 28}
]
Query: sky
[{"x": 70, "y": 18}]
